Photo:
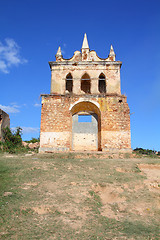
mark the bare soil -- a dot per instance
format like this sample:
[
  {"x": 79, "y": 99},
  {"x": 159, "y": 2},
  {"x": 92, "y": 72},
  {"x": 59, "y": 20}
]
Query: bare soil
[{"x": 79, "y": 196}]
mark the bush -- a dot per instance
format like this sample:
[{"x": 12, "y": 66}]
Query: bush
[
  {"x": 33, "y": 140},
  {"x": 145, "y": 151},
  {"x": 12, "y": 141}
]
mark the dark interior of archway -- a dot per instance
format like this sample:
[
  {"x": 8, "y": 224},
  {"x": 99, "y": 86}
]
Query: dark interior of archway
[
  {"x": 85, "y": 86},
  {"x": 102, "y": 84},
  {"x": 86, "y": 83},
  {"x": 69, "y": 86},
  {"x": 69, "y": 83}
]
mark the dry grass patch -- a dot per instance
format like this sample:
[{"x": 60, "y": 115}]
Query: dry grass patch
[{"x": 78, "y": 196}]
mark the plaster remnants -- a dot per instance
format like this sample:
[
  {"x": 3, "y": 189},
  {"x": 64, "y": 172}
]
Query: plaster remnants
[{"x": 89, "y": 85}]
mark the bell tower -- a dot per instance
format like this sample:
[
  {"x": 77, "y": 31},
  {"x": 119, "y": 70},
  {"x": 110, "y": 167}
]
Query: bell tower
[{"x": 85, "y": 109}]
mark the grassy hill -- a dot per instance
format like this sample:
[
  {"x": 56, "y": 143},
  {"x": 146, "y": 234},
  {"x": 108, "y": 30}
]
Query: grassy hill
[{"x": 79, "y": 196}]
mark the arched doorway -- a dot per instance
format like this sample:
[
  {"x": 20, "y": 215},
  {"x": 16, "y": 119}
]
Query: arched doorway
[{"x": 86, "y": 127}]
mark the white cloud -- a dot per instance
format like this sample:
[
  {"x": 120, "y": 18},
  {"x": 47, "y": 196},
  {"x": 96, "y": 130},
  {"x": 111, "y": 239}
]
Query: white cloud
[
  {"x": 10, "y": 109},
  {"x": 30, "y": 130},
  {"x": 27, "y": 129},
  {"x": 3, "y": 67},
  {"x": 37, "y": 105},
  {"x": 9, "y": 55}
]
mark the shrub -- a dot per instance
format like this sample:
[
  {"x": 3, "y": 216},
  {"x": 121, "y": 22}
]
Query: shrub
[
  {"x": 12, "y": 141},
  {"x": 145, "y": 151},
  {"x": 33, "y": 140}
]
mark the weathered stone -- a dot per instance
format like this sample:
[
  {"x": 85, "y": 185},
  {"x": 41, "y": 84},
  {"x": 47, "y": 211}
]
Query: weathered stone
[
  {"x": 4, "y": 122},
  {"x": 93, "y": 90},
  {"x": 24, "y": 144},
  {"x": 34, "y": 145}
]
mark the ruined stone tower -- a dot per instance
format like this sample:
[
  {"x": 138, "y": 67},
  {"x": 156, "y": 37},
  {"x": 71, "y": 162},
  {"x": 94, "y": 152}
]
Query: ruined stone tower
[
  {"x": 85, "y": 109},
  {"x": 4, "y": 122}
]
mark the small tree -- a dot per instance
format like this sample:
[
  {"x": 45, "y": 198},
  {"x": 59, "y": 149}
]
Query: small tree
[
  {"x": 33, "y": 140},
  {"x": 12, "y": 140}
]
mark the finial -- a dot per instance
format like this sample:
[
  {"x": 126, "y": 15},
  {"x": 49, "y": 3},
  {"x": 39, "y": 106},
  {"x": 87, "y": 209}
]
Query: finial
[
  {"x": 85, "y": 42},
  {"x": 59, "y": 53},
  {"x": 112, "y": 53}
]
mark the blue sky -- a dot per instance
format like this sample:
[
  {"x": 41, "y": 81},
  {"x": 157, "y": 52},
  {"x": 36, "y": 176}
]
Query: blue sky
[{"x": 32, "y": 30}]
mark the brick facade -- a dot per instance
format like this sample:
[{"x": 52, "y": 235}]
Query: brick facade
[{"x": 110, "y": 107}]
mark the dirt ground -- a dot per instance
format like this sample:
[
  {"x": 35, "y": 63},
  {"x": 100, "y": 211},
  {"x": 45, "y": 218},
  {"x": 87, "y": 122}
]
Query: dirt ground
[{"x": 80, "y": 196}]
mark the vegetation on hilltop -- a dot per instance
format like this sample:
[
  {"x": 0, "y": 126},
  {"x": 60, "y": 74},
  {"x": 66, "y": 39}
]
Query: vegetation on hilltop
[
  {"x": 12, "y": 141},
  {"x": 148, "y": 152},
  {"x": 33, "y": 140}
]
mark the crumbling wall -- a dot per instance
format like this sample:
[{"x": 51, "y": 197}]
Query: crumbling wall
[
  {"x": 56, "y": 122},
  {"x": 4, "y": 122},
  {"x": 85, "y": 83},
  {"x": 115, "y": 126}
]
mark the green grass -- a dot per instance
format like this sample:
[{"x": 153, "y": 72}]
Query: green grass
[{"x": 53, "y": 197}]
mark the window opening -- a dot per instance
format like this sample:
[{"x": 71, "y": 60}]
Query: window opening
[
  {"x": 69, "y": 83},
  {"x": 86, "y": 83},
  {"x": 84, "y": 118},
  {"x": 102, "y": 84}
]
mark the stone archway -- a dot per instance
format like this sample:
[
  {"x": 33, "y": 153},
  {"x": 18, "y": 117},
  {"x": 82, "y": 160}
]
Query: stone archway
[{"x": 86, "y": 127}]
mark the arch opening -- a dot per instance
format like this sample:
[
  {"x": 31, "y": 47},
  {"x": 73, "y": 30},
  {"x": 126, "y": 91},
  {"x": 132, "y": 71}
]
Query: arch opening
[
  {"x": 86, "y": 83},
  {"x": 69, "y": 83},
  {"x": 86, "y": 127},
  {"x": 102, "y": 83}
]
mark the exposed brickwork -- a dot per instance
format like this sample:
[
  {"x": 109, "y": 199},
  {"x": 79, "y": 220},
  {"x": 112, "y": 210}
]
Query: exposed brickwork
[
  {"x": 112, "y": 115},
  {"x": 115, "y": 119},
  {"x": 55, "y": 116}
]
